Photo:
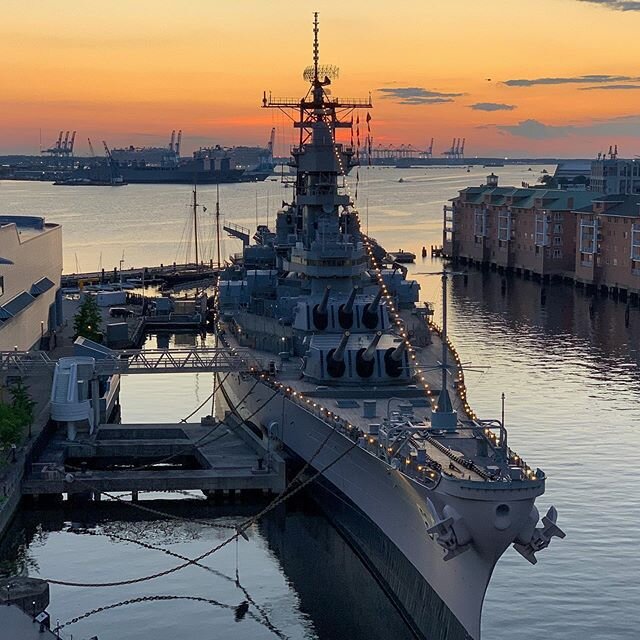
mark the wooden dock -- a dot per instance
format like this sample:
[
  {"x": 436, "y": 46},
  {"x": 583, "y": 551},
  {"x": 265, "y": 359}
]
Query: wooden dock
[{"x": 214, "y": 458}]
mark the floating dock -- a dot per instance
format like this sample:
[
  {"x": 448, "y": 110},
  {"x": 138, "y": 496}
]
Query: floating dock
[{"x": 217, "y": 458}]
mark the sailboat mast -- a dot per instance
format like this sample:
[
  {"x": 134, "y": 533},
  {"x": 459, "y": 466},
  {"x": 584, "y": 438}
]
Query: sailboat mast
[
  {"x": 444, "y": 332},
  {"x": 195, "y": 224},
  {"x": 218, "y": 221}
]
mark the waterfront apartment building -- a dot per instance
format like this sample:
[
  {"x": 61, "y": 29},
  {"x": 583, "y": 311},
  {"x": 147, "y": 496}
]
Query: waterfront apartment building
[
  {"x": 529, "y": 230},
  {"x": 30, "y": 272},
  {"x": 591, "y": 238},
  {"x": 615, "y": 176},
  {"x": 608, "y": 243}
]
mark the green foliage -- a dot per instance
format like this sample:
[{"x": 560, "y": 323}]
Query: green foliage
[
  {"x": 15, "y": 417},
  {"x": 88, "y": 320}
]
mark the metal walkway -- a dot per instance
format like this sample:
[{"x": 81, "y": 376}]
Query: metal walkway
[{"x": 213, "y": 360}]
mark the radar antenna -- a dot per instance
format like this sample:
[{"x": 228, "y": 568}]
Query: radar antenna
[{"x": 316, "y": 46}]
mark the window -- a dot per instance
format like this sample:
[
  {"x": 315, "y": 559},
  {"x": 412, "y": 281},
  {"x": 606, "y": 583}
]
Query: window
[
  {"x": 635, "y": 242},
  {"x": 480, "y": 223},
  {"x": 588, "y": 233},
  {"x": 557, "y": 253},
  {"x": 504, "y": 225},
  {"x": 557, "y": 240},
  {"x": 542, "y": 229},
  {"x": 557, "y": 228},
  {"x": 557, "y": 216}
]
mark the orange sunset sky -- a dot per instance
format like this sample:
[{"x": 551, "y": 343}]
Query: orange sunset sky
[{"x": 509, "y": 75}]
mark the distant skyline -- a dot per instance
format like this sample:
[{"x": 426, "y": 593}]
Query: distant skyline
[{"x": 513, "y": 77}]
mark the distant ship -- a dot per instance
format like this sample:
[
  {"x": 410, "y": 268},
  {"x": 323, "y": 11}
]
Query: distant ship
[
  {"x": 352, "y": 379},
  {"x": 209, "y": 165}
]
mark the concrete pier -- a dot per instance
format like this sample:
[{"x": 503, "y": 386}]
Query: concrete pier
[
  {"x": 157, "y": 457},
  {"x": 17, "y": 625}
]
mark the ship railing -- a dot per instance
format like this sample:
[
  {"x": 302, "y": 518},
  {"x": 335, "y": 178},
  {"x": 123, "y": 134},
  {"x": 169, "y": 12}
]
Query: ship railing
[{"x": 427, "y": 473}]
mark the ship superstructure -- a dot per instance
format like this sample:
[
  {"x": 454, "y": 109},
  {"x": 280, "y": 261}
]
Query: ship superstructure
[{"x": 356, "y": 381}]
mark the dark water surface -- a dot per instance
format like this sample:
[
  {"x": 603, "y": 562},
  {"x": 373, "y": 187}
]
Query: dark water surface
[{"x": 571, "y": 379}]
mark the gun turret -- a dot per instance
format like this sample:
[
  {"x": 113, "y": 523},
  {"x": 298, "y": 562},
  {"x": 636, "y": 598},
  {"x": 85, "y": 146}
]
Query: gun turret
[
  {"x": 345, "y": 312},
  {"x": 370, "y": 312},
  {"x": 320, "y": 313},
  {"x": 365, "y": 358},
  {"x": 335, "y": 358},
  {"x": 394, "y": 360}
]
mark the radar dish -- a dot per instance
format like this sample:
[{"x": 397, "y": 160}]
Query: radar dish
[{"x": 324, "y": 70}]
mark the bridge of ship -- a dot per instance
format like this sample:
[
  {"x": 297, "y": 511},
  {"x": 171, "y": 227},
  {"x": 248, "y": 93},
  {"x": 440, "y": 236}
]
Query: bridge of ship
[{"x": 110, "y": 362}]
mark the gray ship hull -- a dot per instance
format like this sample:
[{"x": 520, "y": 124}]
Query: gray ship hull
[{"x": 384, "y": 514}]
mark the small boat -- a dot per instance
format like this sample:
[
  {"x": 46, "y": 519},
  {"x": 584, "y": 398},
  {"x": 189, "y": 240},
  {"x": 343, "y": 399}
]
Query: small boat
[
  {"x": 403, "y": 257},
  {"x": 401, "y": 180}
]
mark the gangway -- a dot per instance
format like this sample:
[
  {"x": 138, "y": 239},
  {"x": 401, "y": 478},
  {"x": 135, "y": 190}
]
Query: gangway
[
  {"x": 237, "y": 231},
  {"x": 125, "y": 362}
]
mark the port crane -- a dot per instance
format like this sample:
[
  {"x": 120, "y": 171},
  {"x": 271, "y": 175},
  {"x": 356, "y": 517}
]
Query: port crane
[{"x": 63, "y": 147}]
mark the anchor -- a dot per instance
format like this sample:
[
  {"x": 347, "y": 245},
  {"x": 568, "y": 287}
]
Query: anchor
[{"x": 540, "y": 536}]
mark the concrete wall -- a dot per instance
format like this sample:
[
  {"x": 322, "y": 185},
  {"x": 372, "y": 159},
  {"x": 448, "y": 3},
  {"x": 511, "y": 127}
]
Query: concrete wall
[{"x": 35, "y": 253}]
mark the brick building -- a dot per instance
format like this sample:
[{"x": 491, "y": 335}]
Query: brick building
[
  {"x": 608, "y": 243},
  {"x": 529, "y": 230}
]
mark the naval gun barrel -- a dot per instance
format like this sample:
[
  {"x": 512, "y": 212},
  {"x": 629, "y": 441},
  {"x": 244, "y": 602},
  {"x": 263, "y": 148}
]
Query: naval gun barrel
[
  {"x": 370, "y": 312},
  {"x": 398, "y": 352},
  {"x": 345, "y": 311},
  {"x": 320, "y": 313},
  {"x": 338, "y": 352},
  {"x": 365, "y": 358},
  {"x": 394, "y": 359},
  {"x": 335, "y": 358},
  {"x": 370, "y": 351}
]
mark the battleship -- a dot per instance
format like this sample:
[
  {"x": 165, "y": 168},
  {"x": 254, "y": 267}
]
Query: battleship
[{"x": 352, "y": 378}]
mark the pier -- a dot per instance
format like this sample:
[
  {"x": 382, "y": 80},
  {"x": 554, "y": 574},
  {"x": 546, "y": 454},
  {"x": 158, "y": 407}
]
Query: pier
[{"x": 218, "y": 458}]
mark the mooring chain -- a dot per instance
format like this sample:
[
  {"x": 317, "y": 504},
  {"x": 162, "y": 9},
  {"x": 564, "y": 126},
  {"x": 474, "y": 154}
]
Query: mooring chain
[
  {"x": 287, "y": 492},
  {"x": 156, "y": 598},
  {"x": 236, "y": 581}
]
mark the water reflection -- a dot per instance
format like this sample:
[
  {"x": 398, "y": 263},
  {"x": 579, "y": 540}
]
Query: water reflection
[{"x": 297, "y": 575}]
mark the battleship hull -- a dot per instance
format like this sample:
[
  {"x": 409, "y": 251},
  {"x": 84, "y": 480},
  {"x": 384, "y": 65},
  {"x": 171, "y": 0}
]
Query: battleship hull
[{"x": 385, "y": 515}]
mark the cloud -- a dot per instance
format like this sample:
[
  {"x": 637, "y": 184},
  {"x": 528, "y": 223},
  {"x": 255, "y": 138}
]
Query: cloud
[
  {"x": 589, "y": 79},
  {"x": 492, "y": 106},
  {"x": 617, "y": 5},
  {"x": 536, "y": 130},
  {"x": 611, "y": 87},
  {"x": 417, "y": 95}
]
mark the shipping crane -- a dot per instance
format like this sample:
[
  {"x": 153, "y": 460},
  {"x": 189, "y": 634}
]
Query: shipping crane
[
  {"x": 93, "y": 153},
  {"x": 173, "y": 138},
  {"x": 178, "y": 143}
]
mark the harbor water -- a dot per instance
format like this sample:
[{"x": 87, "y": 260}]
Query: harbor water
[{"x": 568, "y": 365}]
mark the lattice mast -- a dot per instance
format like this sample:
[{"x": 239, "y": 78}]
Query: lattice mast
[{"x": 318, "y": 157}]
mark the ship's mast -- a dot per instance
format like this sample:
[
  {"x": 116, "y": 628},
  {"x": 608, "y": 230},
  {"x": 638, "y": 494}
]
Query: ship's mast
[
  {"x": 218, "y": 221},
  {"x": 195, "y": 224}
]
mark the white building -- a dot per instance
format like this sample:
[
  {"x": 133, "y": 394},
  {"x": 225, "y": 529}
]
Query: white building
[
  {"x": 615, "y": 175},
  {"x": 30, "y": 271}
]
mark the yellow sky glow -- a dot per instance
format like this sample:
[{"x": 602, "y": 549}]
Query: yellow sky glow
[{"x": 130, "y": 72}]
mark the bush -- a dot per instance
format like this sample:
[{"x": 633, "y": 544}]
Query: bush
[{"x": 18, "y": 415}]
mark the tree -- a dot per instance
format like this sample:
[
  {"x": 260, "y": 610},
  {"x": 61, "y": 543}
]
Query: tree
[
  {"x": 22, "y": 404},
  {"x": 88, "y": 320},
  {"x": 15, "y": 417}
]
